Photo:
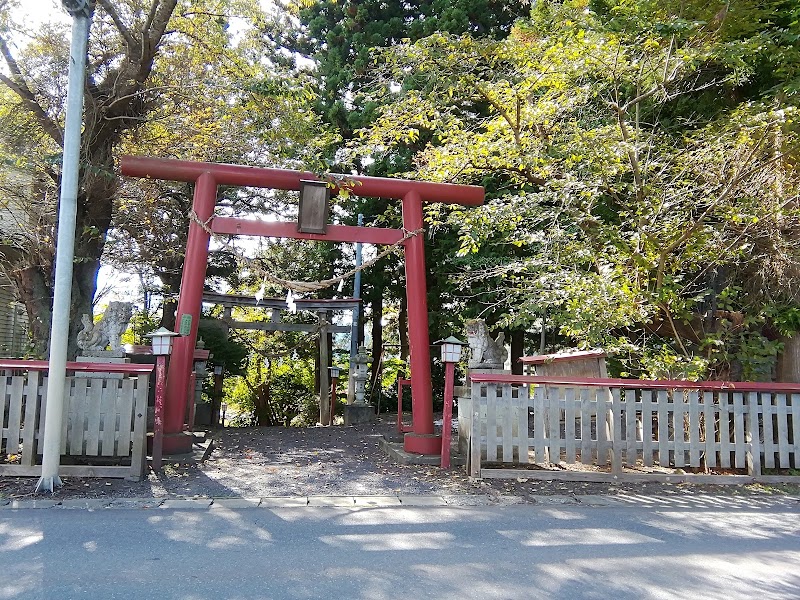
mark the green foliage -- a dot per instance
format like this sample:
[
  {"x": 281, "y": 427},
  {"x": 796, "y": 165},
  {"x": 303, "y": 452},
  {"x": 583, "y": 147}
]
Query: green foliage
[
  {"x": 663, "y": 363},
  {"x": 641, "y": 160},
  {"x": 276, "y": 382},
  {"x": 142, "y": 322},
  {"x": 226, "y": 97},
  {"x": 278, "y": 394},
  {"x": 392, "y": 369},
  {"x": 242, "y": 419},
  {"x": 342, "y": 36},
  {"x": 639, "y": 157},
  {"x": 786, "y": 319},
  {"x": 307, "y": 411},
  {"x": 226, "y": 352}
]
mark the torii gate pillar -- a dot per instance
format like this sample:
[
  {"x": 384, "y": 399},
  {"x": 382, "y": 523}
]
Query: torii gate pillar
[
  {"x": 207, "y": 176},
  {"x": 422, "y": 439}
]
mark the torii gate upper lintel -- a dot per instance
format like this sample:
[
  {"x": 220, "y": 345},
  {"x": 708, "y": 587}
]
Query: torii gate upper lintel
[{"x": 207, "y": 177}]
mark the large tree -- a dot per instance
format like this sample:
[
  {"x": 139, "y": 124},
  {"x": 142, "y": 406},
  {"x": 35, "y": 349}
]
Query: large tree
[
  {"x": 126, "y": 37},
  {"x": 644, "y": 156},
  {"x": 252, "y": 110},
  {"x": 165, "y": 77},
  {"x": 344, "y": 38}
]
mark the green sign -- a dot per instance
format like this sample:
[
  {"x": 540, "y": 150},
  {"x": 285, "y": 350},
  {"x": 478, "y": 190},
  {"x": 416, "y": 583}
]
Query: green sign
[{"x": 186, "y": 325}]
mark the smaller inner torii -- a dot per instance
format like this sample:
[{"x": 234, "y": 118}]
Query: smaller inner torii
[
  {"x": 207, "y": 177},
  {"x": 323, "y": 309}
]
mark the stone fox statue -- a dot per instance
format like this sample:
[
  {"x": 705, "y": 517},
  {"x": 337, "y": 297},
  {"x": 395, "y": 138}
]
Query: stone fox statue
[
  {"x": 485, "y": 352},
  {"x": 107, "y": 331}
]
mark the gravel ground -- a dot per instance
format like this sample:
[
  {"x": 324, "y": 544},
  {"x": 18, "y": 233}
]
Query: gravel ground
[{"x": 334, "y": 461}]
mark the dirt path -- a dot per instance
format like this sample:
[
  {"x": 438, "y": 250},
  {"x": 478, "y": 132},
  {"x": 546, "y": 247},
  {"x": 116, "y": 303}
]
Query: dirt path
[{"x": 273, "y": 461}]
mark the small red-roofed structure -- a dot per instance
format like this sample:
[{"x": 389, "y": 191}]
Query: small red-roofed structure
[{"x": 578, "y": 363}]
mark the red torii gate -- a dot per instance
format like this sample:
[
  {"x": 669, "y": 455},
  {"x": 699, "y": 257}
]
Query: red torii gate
[{"x": 207, "y": 177}]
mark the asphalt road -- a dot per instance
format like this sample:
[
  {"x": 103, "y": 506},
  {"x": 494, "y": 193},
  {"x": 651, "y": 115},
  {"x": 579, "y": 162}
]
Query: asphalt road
[{"x": 375, "y": 553}]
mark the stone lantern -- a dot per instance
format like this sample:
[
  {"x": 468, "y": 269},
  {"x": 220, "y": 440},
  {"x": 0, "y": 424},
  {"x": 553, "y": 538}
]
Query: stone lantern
[
  {"x": 359, "y": 411},
  {"x": 360, "y": 361}
]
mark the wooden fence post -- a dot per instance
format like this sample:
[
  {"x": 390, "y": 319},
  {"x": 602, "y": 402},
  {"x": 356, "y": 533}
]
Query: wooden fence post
[
  {"x": 474, "y": 445},
  {"x": 753, "y": 458}
]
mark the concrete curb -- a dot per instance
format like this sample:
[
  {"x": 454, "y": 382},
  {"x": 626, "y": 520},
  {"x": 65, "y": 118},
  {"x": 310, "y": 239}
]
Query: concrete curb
[
  {"x": 557, "y": 500},
  {"x": 189, "y": 503},
  {"x": 377, "y": 500},
  {"x": 422, "y": 501},
  {"x": 594, "y": 500},
  {"x": 336, "y": 501},
  {"x": 235, "y": 503},
  {"x": 16, "y": 504},
  {"x": 88, "y": 504},
  {"x": 284, "y": 502},
  {"x": 133, "y": 503},
  {"x": 706, "y": 502}
]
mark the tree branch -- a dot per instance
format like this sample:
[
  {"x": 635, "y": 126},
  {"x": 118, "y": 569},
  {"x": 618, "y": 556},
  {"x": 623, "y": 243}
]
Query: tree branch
[
  {"x": 17, "y": 84},
  {"x": 740, "y": 176},
  {"x": 160, "y": 11},
  {"x": 132, "y": 43},
  {"x": 643, "y": 96},
  {"x": 633, "y": 157},
  {"x": 515, "y": 129},
  {"x": 151, "y": 14}
]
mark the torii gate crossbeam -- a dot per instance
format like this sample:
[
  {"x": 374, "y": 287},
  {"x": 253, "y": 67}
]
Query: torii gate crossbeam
[{"x": 208, "y": 176}]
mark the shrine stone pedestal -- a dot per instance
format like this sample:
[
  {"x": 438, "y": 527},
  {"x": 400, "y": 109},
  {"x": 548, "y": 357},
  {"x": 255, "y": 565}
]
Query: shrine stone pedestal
[
  {"x": 102, "y": 356},
  {"x": 484, "y": 370},
  {"x": 354, "y": 414}
]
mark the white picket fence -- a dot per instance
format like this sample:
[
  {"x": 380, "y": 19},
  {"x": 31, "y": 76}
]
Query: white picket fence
[
  {"x": 627, "y": 426},
  {"x": 105, "y": 419}
]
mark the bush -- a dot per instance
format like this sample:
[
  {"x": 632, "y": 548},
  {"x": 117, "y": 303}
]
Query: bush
[
  {"x": 307, "y": 412},
  {"x": 242, "y": 419}
]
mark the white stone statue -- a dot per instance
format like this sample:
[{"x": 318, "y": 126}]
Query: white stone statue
[
  {"x": 94, "y": 337},
  {"x": 485, "y": 352}
]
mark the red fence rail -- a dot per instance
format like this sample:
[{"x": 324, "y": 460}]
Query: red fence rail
[{"x": 43, "y": 365}]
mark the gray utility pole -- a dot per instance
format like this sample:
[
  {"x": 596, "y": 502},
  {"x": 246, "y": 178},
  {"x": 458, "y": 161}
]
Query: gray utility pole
[
  {"x": 81, "y": 11},
  {"x": 355, "y": 333}
]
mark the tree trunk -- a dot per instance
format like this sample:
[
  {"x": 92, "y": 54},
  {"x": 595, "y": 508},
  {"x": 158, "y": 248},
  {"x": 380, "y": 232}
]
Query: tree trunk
[
  {"x": 262, "y": 402},
  {"x": 171, "y": 284},
  {"x": 36, "y": 294},
  {"x": 317, "y": 365},
  {"x": 322, "y": 374},
  {"x": 377, "y": 335},
  {"x": 35, "y": 283},
  {"x": 169, "y": 309},
  {"x": 517, "y": 351},
  {"x": 84, "y": 286},
  {"x": 112, "y": 106},
  {"x": 402, "y": 326},
  {"x": 788, "y": 367}
]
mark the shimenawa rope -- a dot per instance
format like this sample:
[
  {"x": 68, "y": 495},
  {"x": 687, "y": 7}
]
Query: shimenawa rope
[{"x": 313, "y": 286}]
